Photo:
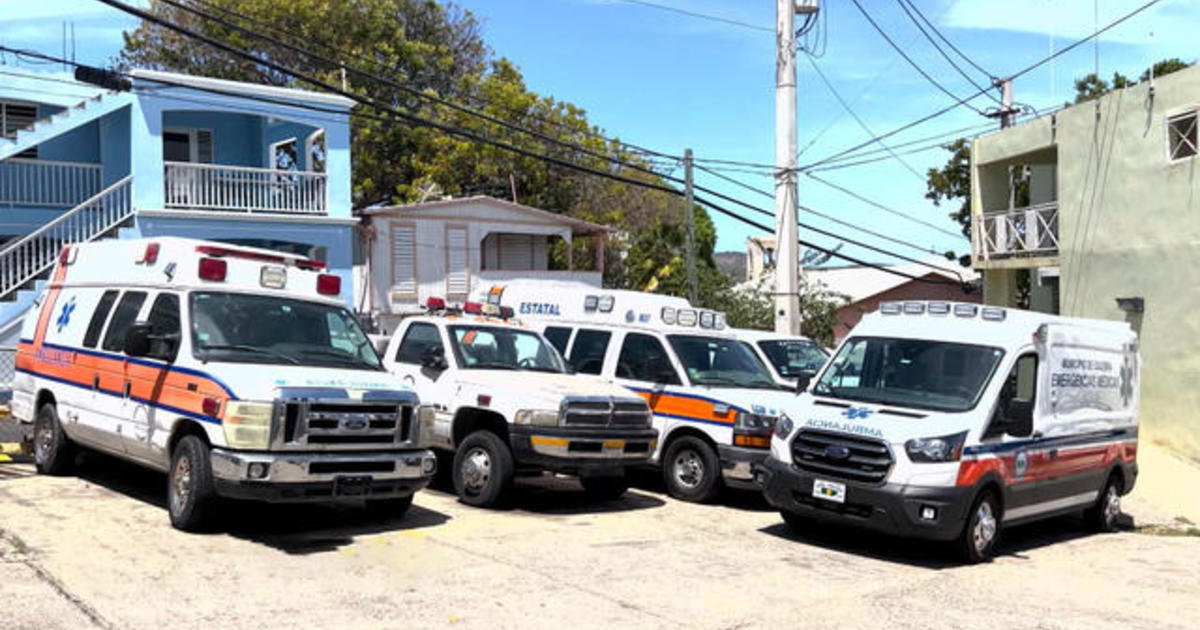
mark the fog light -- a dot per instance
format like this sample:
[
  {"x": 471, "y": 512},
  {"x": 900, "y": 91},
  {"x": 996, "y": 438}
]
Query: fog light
[
  {"x": 929, "y": 513},
  {"x": 429, "y": 465},
  {"x": 258, "y": 470}
]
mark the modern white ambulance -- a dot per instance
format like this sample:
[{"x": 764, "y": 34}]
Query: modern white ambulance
[
  {"x": 714, "y": 401},
  {"x": 504, "y": 404},
  {"x": 950, "y": 421},
  {"x": 237, "y": 371},
  {"x": 789, "y": 357}
]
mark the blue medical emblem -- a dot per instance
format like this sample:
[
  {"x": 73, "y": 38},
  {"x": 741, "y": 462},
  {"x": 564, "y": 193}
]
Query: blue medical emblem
[
  {"x": 857, "y": 413},
  {"x": 1020, "y": 464},
  {"x": 64, "y": 317}
]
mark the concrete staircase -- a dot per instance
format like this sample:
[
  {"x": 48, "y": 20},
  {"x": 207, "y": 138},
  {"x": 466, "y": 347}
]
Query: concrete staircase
[{"x": 62, "y": 122}]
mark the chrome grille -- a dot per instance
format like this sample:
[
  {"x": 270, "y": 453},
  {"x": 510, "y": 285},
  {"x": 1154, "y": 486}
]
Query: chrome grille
[
  {"x": 841, "y": 456},
  {"x": 605, "y": 412},
  {"x": 345, "y": 425}
]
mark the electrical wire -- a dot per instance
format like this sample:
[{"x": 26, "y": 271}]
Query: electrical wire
[
  {"x": 949, "y": 43},
  {"x": 702, "y": 16},
  {"x": 904, "y": 4},
  {"x": 880, "y": 206}
]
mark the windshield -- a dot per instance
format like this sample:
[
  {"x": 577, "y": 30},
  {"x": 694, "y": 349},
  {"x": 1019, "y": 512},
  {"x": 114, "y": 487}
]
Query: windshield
[
  {"x": 794, "y": 357},
  {"x": 720, "y": 362},
  {"x": 266, "y": 329},
  {"x": 495, "y": 348},
  {"x": 910, "y": 373}
]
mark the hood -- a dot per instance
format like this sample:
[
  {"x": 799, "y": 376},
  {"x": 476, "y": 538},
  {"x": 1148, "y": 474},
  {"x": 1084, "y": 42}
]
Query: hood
[
  {"x": 251, "y": 381},
  {"x": 891, "y": 424},
  {"x": 545, "y": 388},
  {"x": 770, "y": 402}
]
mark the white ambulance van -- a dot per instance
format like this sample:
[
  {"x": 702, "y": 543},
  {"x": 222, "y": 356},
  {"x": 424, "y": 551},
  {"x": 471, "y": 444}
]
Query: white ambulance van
[
  {"x": 504, "y": 405},
  {"x": 789, "y": 357},
  {"x": 237, "y": 371},
  {"x": 714, "y": 401},
  {"x": 951, "y": 421}
]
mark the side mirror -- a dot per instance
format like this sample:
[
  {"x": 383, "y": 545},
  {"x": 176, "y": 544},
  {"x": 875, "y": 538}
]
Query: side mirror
[
  {"x": 137, "y": 339},
  {"x": 802, "y": 383},
  {"x": 434, "y": 358},
  {"x": 1018, "y": 418}
]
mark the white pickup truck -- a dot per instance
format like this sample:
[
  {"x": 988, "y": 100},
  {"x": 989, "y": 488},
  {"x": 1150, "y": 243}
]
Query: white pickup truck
[{"x": 503, "y": 403}]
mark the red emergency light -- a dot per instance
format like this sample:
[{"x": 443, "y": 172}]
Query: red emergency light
[
  {"x": 435, "y": 304},
  {"x": 472, "y": 308},
  {"x": 329, "y": 284},
  {"x": 310, "y": 265},
  {"x": 150, "y": 255},
  {"x": 212, "y": 269},
  {"x": 238, "y": 253}
]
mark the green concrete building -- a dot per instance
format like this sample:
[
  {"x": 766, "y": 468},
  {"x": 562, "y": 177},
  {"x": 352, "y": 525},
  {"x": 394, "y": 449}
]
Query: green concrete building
[{"x": 1094, "y": 211}]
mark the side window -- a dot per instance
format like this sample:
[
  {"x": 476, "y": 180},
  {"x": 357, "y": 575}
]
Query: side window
[
  {"x": 558, "y": 337},
  {"x": 164, "y": 322},
  {"x": 124, "y": 315},
  {"x": 587, "y": 355},
  {"x": 98, "y": 317},
  {"x": 417, "y": 339},
  {"x": 1014, "y": 413},
  {"x": 643, "y": 358}
]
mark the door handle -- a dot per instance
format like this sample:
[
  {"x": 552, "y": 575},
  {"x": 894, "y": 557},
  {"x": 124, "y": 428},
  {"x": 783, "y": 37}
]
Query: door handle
[
  {"x": 128, "y": 388},
  {"x": 95, "y": 382},
  {"x": 1053, "y": 453}
]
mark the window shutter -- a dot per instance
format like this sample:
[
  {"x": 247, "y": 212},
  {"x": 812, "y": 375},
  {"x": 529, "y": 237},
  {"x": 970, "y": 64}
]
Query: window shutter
[
  {"x": 404, "y": 260},
  {"x": 457, "y": 272},
  {"x": 516, "y": 252},
  {"x": 204, "y": 148}
]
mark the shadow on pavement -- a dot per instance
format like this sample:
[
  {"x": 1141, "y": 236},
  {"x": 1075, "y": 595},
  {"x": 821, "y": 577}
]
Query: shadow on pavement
[
  {"x": 291, "y": 528},
  {"x": 1014, "y": 542},
  {"x": 560, "y": 495},
  {"x": 750, "y": 500}
]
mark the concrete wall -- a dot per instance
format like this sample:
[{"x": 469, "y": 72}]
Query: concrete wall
[{"x": 1129, "y": 226}]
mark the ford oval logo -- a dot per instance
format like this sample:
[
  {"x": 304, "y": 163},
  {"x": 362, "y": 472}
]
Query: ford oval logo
[
  {"x": 354, "y": 423},
  {"x": 837, "y": 452}
]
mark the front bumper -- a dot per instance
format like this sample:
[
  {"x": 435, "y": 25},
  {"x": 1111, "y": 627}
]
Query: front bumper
[
  {"x": 300, "y": 477},
  {"x": 575, "y": 450},
  {"x": 740, "y": 466},
  {"x": 888, "y": 508}
]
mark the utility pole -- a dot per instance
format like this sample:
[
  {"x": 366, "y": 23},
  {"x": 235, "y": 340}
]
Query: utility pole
[
  {"x": 787, "y": 237},
  {"x": 689, "y": 217}
]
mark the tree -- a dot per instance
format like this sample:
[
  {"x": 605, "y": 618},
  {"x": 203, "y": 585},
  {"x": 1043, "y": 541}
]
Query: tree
[
  {"x": 953, "y": 182},
  {"x": 1091, "y": 86}
]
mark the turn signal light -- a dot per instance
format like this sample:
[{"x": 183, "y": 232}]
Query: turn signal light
[
  {"x": 210, "y": 406},
  {"x": 753, "y": 441},
  {"x": 212, "y": 269},
  {"x": 329, "y": 284}
]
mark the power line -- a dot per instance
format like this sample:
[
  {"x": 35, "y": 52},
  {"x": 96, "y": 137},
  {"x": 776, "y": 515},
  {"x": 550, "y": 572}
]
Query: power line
[
  {"x": 948, "y": 42},
  {"x": 912, "y": 63},
  {"x": 880, "y": 206},
  {"x": 702, "y": 16},
  {"x": 904, "y": 4}
]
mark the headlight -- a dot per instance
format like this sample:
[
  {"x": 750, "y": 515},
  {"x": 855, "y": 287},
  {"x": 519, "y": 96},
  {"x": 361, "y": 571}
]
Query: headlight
[
  {"x": 425, "y": 417},
  {"x": 248, "y": 424},
  {"x": 783, "y": 426},
  {"x": 537, "y": 417},
  {"x": 947, "y": 448},
  {"x": 753, "y": 421},
  {"x": 752, "y": 430}
]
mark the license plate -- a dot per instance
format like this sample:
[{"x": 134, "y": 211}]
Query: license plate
[
  {"x": 829, "y": 490},
  {"x": 351, "y": 485}
]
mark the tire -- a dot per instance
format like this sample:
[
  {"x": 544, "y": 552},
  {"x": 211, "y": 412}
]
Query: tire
[
  {"x": 483, "y": 470},
  {"x": 53, "y": 451},
  {"x": 191, "y": 498},
  {"x": 691, "y": 470},
  {"x": 389, "y": 509},
  {"x": 1103, "y": 516},
  {"x": 604, "y": 488},
  {"x": 978, "y": 539},
  {"x": 794, "y": 521}
]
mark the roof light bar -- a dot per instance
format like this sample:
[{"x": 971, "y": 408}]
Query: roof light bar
[
  {"x": 491, "y": 310},
  {"x": 606, "y": 304},
  {"x": 939, "y": 308},
  {"x": 435, "y": 304},
  {"x": 719, "y": 322},
  {"x": 668, "y": 315},
  {"x": 965, "y": 310},
  {"x": 472, "y": 308},
  {"x": 495, "y": 294},
  {"x": 914, "y": 308},
  {"x": 686, "y": 317},
  {"x": 890, "y": 308},
  {"x": 590, "y": 302},
  {"x": 994, "y": 314},
  {"x": 706, "y": 319}
]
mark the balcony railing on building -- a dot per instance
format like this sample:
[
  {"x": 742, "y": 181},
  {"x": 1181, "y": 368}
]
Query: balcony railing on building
[
  {"x": 243, "y": 189},
  {"x": 46, "y": 183},
  {"x": 1019, "y": 232}
]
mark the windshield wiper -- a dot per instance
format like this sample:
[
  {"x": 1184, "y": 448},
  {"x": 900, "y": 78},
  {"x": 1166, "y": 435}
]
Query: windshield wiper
[
  {"x": 337, "y": 354},
  {"x": 492, "y": 365},
  {"x": 278, "y": 355},
  {"x": 540, "y": 369}
]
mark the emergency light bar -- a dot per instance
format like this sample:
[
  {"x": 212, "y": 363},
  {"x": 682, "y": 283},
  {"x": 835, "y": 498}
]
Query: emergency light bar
[
  {"x": 890, "y": 308},
  {"x": 686, "y": 317},
  {"x": 668, "y": 315},
  {"x": 590, "y": 303},
  {"x": 994, "y": 314},
  {"x": 472, "y": 308},
  {"x": 965, "y": 310},
  {"x": 990, "y": 313},
  {"x": 706, "y": 319},
  {"x": 914, "y": 308},
  {"x": 939, "y": 308},
  {"x": 605, "y": 304},
  {"x": 435, "y": 304}
]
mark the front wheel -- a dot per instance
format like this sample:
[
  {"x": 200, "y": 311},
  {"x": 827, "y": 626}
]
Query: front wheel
[
  {"x": 53, "y": 451},
  {"x": 1102, "y": 517},
  {"x": 483, "y": 470},
  {"x": 978, "y": 539},
  {"x": 606, "y": 488},
  {"x": 191, "y": 498},
  {"x": 691, "y": 470}
]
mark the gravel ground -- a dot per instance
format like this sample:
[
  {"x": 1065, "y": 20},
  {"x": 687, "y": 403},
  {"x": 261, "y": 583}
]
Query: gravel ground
[{"x": 96, "y": 551}]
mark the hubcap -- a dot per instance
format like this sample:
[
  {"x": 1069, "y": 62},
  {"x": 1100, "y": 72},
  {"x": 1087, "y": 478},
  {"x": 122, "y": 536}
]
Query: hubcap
[
  {"x": 1112, "y": 505},
  {"x": 43, "y": 441},
  {"x": 476, "y": 469},
  {"x": 688, "y": 469},
  {"x": 985, "y": 526},
  {"x": 181, "y": 484}
]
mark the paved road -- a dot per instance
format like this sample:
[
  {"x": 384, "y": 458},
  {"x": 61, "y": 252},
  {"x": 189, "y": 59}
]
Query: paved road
[{"x": 97, "y": 551}]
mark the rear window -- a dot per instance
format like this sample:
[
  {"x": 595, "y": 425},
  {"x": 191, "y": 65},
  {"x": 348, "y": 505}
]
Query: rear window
[
  {"x": 558, "y": 337},
  {"x": 98, "y": 318},
  {"x": 587, "y": 355},
  {"x": 123, "y": 317}
]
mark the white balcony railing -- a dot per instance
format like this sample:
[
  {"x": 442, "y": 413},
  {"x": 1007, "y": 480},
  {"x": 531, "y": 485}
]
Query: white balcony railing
[
  {"x": 243, "y": 189},
  {"x": 46, "y": 183},
  {"x": 1029, "y": 231}
]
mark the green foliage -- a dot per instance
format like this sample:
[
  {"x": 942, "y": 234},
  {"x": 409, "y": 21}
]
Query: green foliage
[
  {"x": 1091, "y": 86},
  {"x": 952, "y": 182}
]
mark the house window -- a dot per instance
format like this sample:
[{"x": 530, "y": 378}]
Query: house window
[
  {"x": 285, "y": 155},
  {"x": 1181, "y": 136},
  {"x": 13, "y": 118},
  {"x": 188, "y": 145},
  {"x": 315, "y": 149},
  {"x": 404, "y": 260},
  {"x": 458, "y": 278}
]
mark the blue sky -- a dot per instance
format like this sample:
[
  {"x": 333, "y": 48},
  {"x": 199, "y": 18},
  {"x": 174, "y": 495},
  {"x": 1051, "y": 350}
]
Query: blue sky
[{"x": 668, "y": 81}]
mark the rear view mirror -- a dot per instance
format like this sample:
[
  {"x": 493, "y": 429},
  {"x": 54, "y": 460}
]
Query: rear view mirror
[
  {"x": 802, "y": 383},
  {"x": 1018, "y": 418},
  {"x": 137, "y": 339},
  {"x": 434, "y": 358}
]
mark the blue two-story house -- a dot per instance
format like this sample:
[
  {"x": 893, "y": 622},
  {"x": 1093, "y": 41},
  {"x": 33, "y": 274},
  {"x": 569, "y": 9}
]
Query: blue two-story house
[{"x": 176, "y": 155}]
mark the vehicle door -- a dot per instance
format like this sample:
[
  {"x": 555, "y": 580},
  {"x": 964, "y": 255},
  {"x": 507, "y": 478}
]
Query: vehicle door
[
  {"x": 588, "y": 349},
  {"x": 643, "y": 365},
  {"x": 152, "y": 394},
  {"x": 114, "y": 373},
  {"x": 1012, "y": 437},
  {"x": 81, "y": 408},
  {"x": 559, "y": 337},
  {"x": 432, "y": 381}
]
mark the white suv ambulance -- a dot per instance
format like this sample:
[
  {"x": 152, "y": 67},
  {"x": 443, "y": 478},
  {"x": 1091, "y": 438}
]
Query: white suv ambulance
[
  {"x": 503, "y": 403},
  {"x": 950, "y": 421},
  {"x": 789, "y": 357},
  {"x": 714, "y": 401},
  {"x": 236, "y": 371}
]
